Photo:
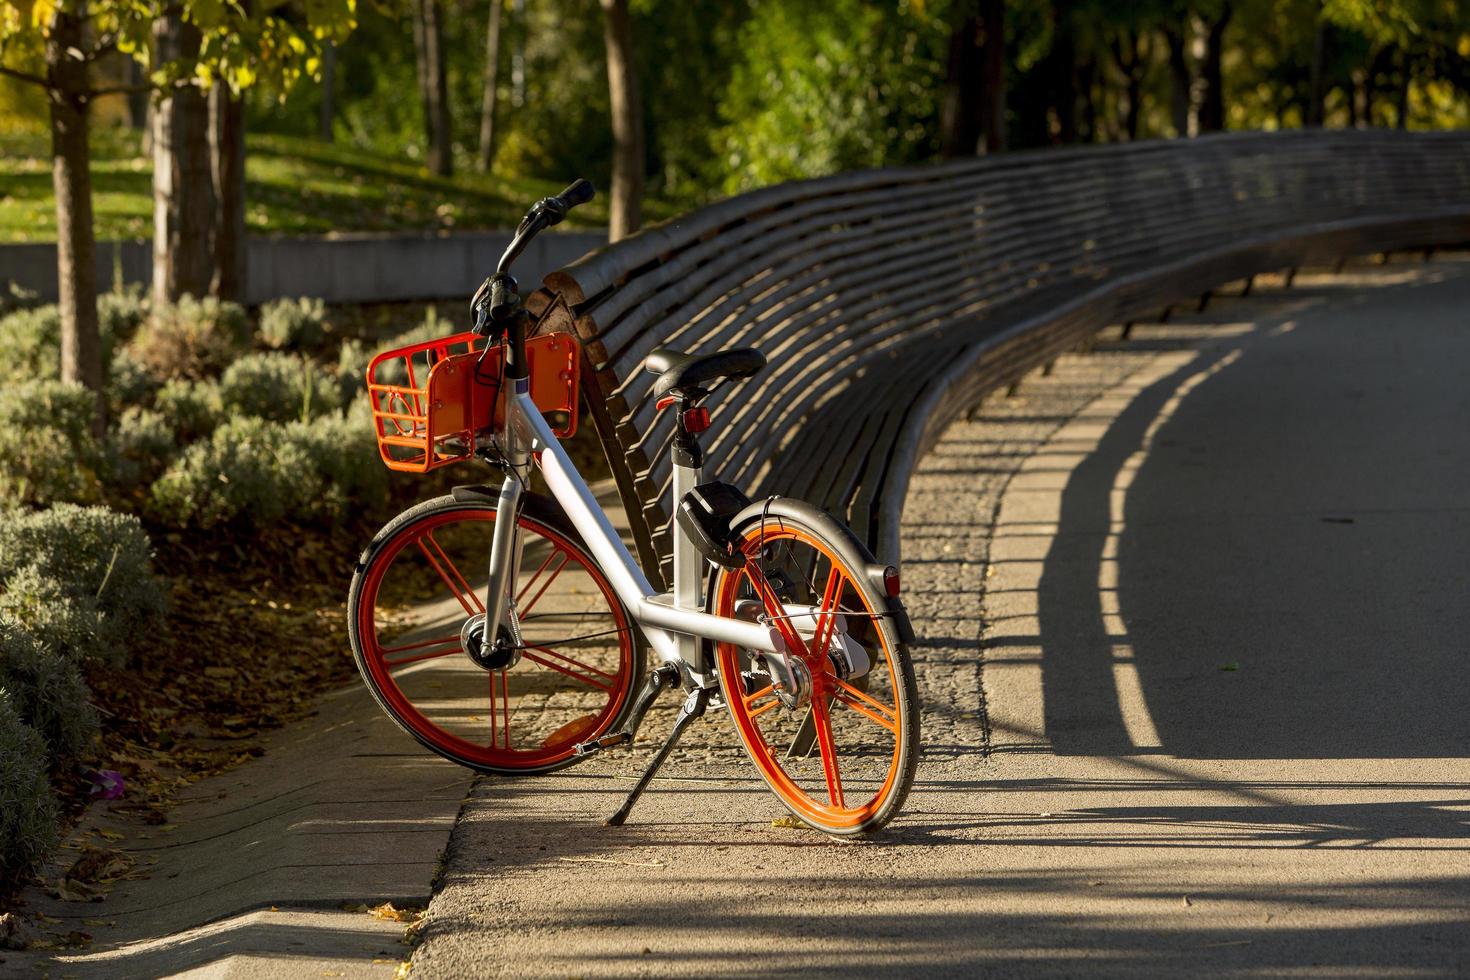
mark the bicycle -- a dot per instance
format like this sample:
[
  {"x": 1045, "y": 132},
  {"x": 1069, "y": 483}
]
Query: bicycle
[{"x": 777, "y": 611}]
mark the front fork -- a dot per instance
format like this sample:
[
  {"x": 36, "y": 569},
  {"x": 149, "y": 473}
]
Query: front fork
[
  {"x": 505, "y": 545},
  {"x": 505, "y": 565}
]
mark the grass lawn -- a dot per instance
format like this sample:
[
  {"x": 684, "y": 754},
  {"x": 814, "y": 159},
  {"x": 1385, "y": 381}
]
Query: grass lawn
[{"x": 293, "y": 187}]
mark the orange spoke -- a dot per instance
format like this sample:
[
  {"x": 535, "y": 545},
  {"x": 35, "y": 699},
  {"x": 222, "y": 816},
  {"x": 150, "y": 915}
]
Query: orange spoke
[
  {"x": 522, "y": 610},
  {"x": 492, "y": 709},
  {"x": 769, "y": 691},
  {"x": 823, "y": 723},
  {"x": 824, "y": 627},
  {"x": 562, "y": 668},
  {"x": 774, "y": 609},
  {"x": 442, "y": 648},
  {"x": 532, "y": 581},
  {"x": 863, "y": 696},
  {"x": 505, "y": 704},
  {"x": 842, "y": 698},
  {"x": 452, "y": 638},
  {"x": 472, "y": 604},
  {"x": 500, "y": 725}
]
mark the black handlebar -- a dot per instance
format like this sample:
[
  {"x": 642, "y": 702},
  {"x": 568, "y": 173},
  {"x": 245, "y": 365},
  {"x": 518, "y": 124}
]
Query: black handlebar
[
  {"x": 580, "y": 191},
  {"x": 497, "y": 299}
]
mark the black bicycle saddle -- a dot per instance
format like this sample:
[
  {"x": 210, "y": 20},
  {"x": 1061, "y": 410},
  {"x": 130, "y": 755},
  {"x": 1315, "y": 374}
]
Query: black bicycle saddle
[{"x": 688, "y": 374}]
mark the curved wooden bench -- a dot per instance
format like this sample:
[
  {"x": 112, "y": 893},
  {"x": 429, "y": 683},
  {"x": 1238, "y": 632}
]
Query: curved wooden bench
[{"x": 890, "y": 301}]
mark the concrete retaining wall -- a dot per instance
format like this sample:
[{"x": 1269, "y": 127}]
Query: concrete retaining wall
[{"x": 356, "y": 268}]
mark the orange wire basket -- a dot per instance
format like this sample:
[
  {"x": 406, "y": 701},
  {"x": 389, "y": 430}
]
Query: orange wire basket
[{"x": 431, "y": 401}]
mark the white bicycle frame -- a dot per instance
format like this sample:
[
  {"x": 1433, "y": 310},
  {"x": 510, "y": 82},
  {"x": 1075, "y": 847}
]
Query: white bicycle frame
[{"x": 674, "y": 623}]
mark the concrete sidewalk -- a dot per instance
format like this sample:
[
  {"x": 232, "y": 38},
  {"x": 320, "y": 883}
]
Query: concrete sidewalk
[
  {"x": 1192, "y": 643},
  {"x": 252, "y": 875}
]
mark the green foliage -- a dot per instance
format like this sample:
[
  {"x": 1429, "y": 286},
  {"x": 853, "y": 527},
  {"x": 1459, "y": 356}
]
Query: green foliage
[
  {"x": 120, "y": 312},
  {"x": 140, "y": 446},
  {"x": 245, "y": 470},
  {"x": 193, "y": 338},
  {"x": 91, "y": 556},
  {"x": 31, "y": 340},
  {"x": 278, "y": 386},
  {"x": 821, "y": 86},
  {"x": 47, "y": 451},
  {"x": 350, "y": 475},
  {"x": 252, "y": 472},
  {"x": 28, "y": 810},
  {"x": 193, "y": 408},
  {"x": 297, "y": 323},
  {"x": 352, "y": 363},
  {"x": 48, "y": 693},
  {"x": 63, "y": 623},
  {"x": 128, "y": 382}
]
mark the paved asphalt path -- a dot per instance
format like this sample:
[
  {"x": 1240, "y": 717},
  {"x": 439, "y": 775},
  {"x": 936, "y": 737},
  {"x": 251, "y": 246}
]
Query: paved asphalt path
[{"x": 1194, "y": 647}]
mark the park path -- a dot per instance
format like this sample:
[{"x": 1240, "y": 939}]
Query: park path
[{"x": 1192, "y": 643}]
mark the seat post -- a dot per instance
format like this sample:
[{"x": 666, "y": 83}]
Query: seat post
[{"x": 688, "y": 460}]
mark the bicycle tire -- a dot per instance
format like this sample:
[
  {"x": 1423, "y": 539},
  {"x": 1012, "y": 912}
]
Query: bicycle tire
[{"x": 540, "y": 520}]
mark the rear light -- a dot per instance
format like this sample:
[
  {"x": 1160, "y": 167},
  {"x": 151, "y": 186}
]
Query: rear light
[
  {"x": 890, "y": 581},
  {"x": 696, "y": 420}
]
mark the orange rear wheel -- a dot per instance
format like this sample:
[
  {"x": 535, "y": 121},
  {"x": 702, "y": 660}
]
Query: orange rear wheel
[{"x": 834, "y": 738}]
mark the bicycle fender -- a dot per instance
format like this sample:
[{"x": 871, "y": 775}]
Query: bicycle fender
[{"x": 851, "y": 549}]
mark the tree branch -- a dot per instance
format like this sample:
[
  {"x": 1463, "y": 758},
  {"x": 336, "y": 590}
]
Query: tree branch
[
  {"x": 124, "y": 89},
  {"x": 24, "y": 76}
]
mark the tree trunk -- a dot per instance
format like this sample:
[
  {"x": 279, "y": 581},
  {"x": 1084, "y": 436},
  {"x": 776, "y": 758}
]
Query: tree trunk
[
  {"x": 972, "y": 115},
  {"x": 1064, "y": 77},
  {"x": 625, "y": 208},
  {"x": 328, "y": 112},
  {"x": 137, "y": 101},
  {"x": 1212, "y": 104},
  {"x": 428, "y": 36},
  {"x": 71, "y": 180},
  {"x": 1401, "y": 99},
  {"x": 1181, "y": 80},
  {"x": 183, "y": 187},
  {"x": 1316, "y": 84},
  {"x": 227, "y": 166},
  {"x": 1086, "y": 75},
  {"x": 993, "y": 103},
  {"x": 1132, "y": 62},
  {"x": 491, "y": 85},
  {"x": 1363, "y": 97}
]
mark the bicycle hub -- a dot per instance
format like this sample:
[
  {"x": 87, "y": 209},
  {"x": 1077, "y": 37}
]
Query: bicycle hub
[{"x": 500, "y": 655}]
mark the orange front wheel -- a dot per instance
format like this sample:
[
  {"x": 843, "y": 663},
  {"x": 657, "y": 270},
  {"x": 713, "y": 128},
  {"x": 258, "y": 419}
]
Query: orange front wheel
[{"x": 833, "y": 727}]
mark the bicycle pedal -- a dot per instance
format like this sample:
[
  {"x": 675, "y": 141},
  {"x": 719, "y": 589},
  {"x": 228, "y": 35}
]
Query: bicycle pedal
[{"x": 596, "y": 745}]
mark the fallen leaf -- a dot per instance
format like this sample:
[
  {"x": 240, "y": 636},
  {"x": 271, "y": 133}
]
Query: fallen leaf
[{"x": 787, "y": 823}]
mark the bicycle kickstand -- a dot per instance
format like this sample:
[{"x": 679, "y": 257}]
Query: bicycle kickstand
[
  {"x": 663, "y": 676},
  {"x": 694, "y": 706}
]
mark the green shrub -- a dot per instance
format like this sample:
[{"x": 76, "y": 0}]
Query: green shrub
[
  {"x": 28, "y": 810},
  {"x": 351, "y": 475},
  {"x": 278, "y": 386},
  {"x": 352, "y": 362},
  {"x": 121, "y": 312},
  {"x": 259, "y": 472},
  {"x": 47, "y": 451},
  {"x": 298, "y": 323},
  {"x": 67, "y": 625},
  {"x": 246, "y": 468},
  {"x": 141, "y": 444},
  {"x": 194, "y": 338},
  {"x": 31, "y": 337},
  {"x": 95, "y": 559},
  {"x": 48, "y": 693},
  {"x": 128, "y": 382},
  {"x": 194, "y": 409}
]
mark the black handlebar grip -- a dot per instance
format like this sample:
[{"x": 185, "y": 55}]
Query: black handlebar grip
[{"x": 580, "y": 192}]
